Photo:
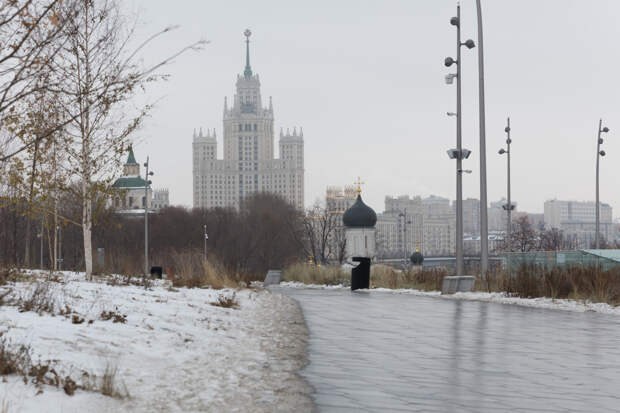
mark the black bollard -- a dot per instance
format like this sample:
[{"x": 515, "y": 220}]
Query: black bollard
[
  {"x": 156, "y": 272},
  {"x": 360, "y": 275}
]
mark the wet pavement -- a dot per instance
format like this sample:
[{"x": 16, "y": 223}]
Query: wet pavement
[{"x": 380, "y": 351}]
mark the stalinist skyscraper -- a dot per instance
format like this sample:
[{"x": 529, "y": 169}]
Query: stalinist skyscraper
[{"x": 249, "y": 165}]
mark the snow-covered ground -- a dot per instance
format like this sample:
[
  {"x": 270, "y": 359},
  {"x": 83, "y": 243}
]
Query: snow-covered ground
[
  {"x": 175, "y": 353},
  {"x": 502, "y": 298}
]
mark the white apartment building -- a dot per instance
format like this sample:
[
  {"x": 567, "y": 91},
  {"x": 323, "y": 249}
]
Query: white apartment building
[
  {"x": 338, "y": 199},
  {"x": 249, "y": 165},
  {"x": 161, "y": 199},
  {"x": 410, "y": 224},
  {"x": 577, "y": 219}
]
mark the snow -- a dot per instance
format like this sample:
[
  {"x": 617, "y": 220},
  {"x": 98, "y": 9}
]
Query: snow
[
  {"x": 495, "y": 297},
  {"x": 175, "y": 353}
]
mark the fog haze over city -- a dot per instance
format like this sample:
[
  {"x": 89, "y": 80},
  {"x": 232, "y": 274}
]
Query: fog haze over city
[{"x": 364, "y": 80}]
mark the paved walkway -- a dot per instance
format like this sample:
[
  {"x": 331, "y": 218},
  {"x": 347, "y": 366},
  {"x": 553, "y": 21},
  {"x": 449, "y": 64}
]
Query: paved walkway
[{"x": 380, "y": 352}]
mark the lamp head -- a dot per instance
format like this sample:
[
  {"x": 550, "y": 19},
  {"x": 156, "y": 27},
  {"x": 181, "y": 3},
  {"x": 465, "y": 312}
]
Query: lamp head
[
  {"x": 454, "y": 21},
  {"x": 470, "y": 44},
  {"x": 449, "y": 61},
  {"x": 600, "y": 141},
  {"x": 151, "y": 173},
  {"x": 507, "y": 129},
  {"x": 502, "y": 151},
  {"x": 605, "y": 129},
  {"x": 602, "y": 153}
]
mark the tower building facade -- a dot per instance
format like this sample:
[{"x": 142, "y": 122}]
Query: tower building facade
[{"x": 249, "y": 165}]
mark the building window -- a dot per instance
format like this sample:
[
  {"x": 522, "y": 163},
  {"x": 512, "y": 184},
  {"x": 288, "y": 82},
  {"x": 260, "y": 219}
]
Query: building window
[{"x": 131, "y": 201}]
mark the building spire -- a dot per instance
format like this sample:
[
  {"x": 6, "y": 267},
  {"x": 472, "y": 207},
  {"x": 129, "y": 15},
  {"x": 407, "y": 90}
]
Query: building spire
[{"x": 248, "y": 70}]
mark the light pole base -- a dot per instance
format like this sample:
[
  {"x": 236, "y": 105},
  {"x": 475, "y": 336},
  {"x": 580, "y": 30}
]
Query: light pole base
[{"x": 457, "y": 284}]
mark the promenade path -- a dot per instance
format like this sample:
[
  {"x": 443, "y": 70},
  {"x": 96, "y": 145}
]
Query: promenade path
[{"x": 386, "y": 352}]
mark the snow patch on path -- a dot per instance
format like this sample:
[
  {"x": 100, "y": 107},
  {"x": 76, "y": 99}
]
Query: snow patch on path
[{"x": 496, "y": 297}]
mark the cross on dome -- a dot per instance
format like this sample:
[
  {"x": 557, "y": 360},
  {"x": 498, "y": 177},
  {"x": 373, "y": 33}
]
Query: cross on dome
[{"x": 358, "y": 185}]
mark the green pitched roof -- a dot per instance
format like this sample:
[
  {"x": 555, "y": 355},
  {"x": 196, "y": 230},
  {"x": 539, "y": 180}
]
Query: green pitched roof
[
  {"x": 131, "y": 159},
  {"x": 129, "y": 182}
]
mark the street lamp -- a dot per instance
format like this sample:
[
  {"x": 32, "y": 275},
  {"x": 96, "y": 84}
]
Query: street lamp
[
  {"x": 147, "y": 182},
  {"x": 508, "y": 207},
  {"x": 459, "y": 153},
  {"x": 405, "y": 222},
  {"x": 599, "y": 153},
  {"x": 484, "y": 222}
]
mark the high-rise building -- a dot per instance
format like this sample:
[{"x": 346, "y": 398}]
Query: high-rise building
[
  {"x": 471, "y": 216},
  {"x": 578, "y": 221},
  {"x": 249, "y": 165},
  {"x": 338, "y": 200}
]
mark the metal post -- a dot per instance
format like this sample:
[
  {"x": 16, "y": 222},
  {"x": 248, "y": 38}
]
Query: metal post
[
  {"x": 405, "y": 254},
  {"x": 484, "y": 223},
  {"x": 41, "y": 248},
  {"x": 59, "y": 248},
  {"x": 598, "y": 156},
  {"x": 459, "y": 158},
  {"x": 206, "y": 238},
  {"x": 146, "y": 219},
  {"x": 459, "y": 153},
  {"x": 509, "y": 206}
]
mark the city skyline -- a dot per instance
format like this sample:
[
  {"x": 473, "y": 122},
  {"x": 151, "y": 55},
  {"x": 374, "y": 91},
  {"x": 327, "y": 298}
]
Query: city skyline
[{"x": 365, "y": 80}]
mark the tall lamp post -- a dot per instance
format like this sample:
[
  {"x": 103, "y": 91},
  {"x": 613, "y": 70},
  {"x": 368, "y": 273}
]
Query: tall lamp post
[
  {"x": 599, "y": 153},
  {"x": 459, "y": 153},
  {"x": 484, "y": 221},
  {"x": 508, "y": 207},
  {"x": 403, "y": 215},
  {"x": 147, "y": 182}
]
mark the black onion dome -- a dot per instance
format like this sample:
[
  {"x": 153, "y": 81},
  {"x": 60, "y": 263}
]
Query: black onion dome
[
  {"x": 417, "y": 258},
  {"x": 359, "y": 215}
]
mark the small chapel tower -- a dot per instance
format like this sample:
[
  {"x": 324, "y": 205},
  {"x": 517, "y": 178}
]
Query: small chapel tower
[{"x": 359, "y": 221}]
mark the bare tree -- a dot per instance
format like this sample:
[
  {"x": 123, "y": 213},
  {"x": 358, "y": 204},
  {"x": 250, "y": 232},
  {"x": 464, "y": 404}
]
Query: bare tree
[
  {"x": 551, "y": 240},
  {"x": 523, "y": 237},
  {"x": 31, "y": 36},
  {"x": 320, "y": 226},
  {"x": 99, "y": 74}
]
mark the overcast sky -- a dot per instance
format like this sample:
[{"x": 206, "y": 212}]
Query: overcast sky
[{"x": 365, "y": 80}]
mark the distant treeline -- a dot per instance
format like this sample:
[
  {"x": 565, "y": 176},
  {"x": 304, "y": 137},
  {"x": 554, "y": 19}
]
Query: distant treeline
[{"x": 266, "y": 232}]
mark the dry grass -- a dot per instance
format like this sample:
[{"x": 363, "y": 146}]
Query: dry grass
[
  {"x": 192, "y": 271},
  {"x": 580, "y": 283},
  {"x": 381, "y": 276},
  {"x": 14, "y": 359},
  {"x": 41, "y": 298},
  {"x": 312, "y": 274},
  {"x": 110, "y": 385}
]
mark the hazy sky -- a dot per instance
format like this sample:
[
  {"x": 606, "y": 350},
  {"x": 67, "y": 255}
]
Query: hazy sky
[{"x": 365, "y": 80}]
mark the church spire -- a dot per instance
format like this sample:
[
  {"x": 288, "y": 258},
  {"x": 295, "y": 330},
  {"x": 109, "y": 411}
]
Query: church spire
[{"x": 248, "y": 70}]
